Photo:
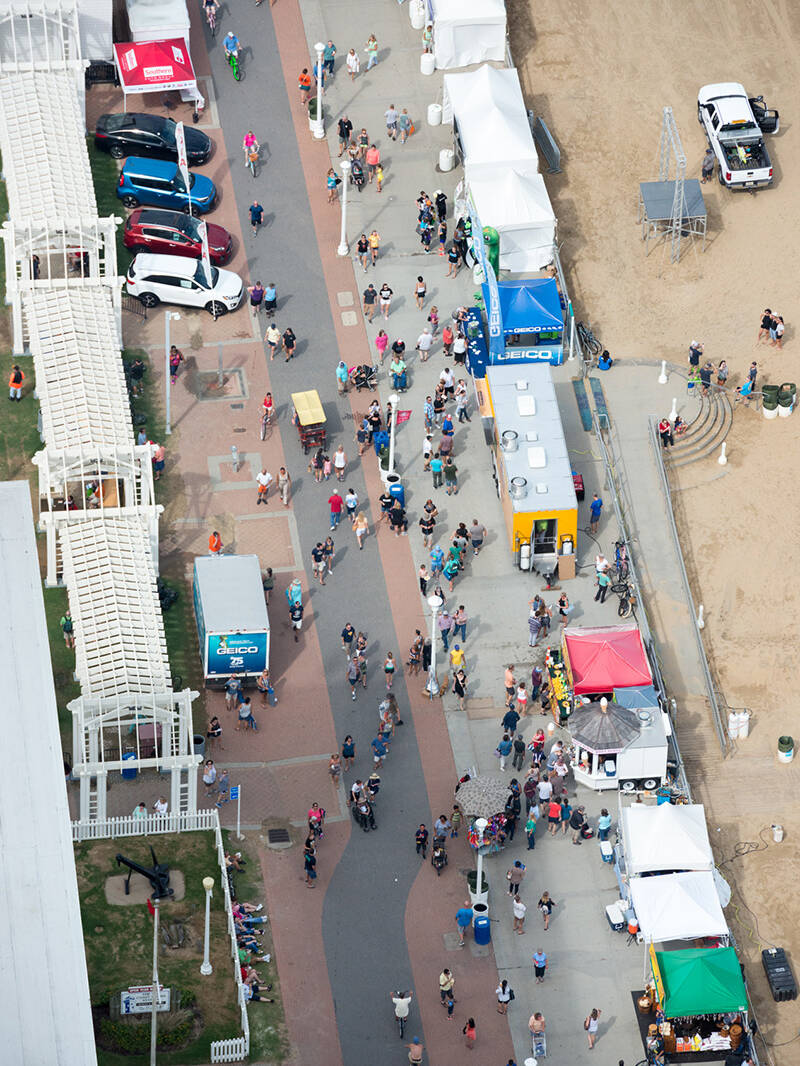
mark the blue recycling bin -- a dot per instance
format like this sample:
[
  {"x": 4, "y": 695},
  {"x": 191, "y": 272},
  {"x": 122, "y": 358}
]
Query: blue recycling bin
[
  {"x": 396, "y": 490},
  {"x": 129, "y": 775},
  {"x": 483, "y": 929}
]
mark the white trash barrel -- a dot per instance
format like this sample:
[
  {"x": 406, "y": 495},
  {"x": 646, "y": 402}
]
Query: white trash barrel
[
  {"x": 744, "y": 724},
  {"x": 434, "y": 114},
  {"x": 767, "y": 413},
  {"x": 427, "y": 63},
  {"x": 525, "y": 556},
  {"x": 733, "y": 725},
  {"x": 784, "y": 412},
  {"x": 777, "y": 833},
  {"x": 416, "y": 12},
  {"x": 447, "y": 160}
]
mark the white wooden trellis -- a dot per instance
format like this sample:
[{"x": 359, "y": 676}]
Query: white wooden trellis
[{"x": 43, "y": 36}]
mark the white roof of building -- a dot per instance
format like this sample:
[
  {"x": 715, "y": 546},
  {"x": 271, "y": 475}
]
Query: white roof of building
[
  {"x": 524, "y": 401},
  {"x": 43, "y": 142},
  {"x": 119, "y": 629},
  {"x": 79, "y": 376},
  {"x": 46, "y": 1016}
]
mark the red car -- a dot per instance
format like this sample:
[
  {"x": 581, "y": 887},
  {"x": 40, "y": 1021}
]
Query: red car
[{"x": 174, "y": 233}]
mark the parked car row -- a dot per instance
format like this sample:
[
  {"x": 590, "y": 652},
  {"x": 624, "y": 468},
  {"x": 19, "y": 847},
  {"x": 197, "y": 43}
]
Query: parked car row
[{"x": 162, "y": 229}]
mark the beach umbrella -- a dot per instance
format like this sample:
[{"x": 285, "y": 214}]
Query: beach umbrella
[{"x": 482, "y": 796}]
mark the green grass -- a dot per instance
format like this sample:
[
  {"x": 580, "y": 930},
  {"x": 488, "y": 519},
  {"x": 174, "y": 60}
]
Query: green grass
[
  {"x": 119, "y": 939},
  {"x": 3, "y": 217},
  {"x": 105, "y": 175}
]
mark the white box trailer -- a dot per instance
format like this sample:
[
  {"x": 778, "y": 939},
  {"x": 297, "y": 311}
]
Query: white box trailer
[{"x": 232, "y": 618}]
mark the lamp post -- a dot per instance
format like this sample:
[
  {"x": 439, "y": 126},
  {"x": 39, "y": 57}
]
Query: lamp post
[
  {"x": 206, "y": 968},
  {"x": 169, "y": 316},
  {"x": 154, "y": 1007},
  {"x": 344, "y": 248},
  {"x": 480, "y": 826},
  {"x": 435, "y": 603},
  {"x": 393, "y": 400},
  {"x": 318, "y": 127}
]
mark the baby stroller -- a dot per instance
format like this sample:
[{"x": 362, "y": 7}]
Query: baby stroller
[
  {"x": 365, "y": 377},
  {"x": 438, "y": 855},
  {"x": 357, "y": 174}
]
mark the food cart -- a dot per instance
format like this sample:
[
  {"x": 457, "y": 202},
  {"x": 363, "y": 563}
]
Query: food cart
[{"x": 309, "y": 417}]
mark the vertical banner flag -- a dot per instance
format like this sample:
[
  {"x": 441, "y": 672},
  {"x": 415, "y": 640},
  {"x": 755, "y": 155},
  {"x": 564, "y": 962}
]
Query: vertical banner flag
[
  {"x": 183, "y": 163},
  {"x": 496, "y": 345},
  {"x": 205, "y": 257}
]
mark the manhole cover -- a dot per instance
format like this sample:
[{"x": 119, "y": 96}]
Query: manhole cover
[
  {"x": 241, "y": 429},
  {"x": 237, "y": 406},
  {"x": 278, "y": 836}
]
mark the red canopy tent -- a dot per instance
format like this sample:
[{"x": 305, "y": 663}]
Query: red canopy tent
[
  {"x": 155, "y": 66},
  {"x": 605, "y": 658}
]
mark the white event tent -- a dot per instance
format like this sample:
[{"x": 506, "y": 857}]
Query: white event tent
[
  {"x": 501, "y": 166},
  {"x": 665, "y": 838},
  {"x": 678, "y": 906},
  {"x": 468, "y": 31}
]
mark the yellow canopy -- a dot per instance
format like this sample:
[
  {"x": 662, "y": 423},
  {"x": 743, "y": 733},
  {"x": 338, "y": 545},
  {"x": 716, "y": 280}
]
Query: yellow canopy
[{"x": 308, "y": 408}]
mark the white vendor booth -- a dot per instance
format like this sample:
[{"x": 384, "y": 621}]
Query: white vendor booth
[
  {"x": 158, "y": 20},
  {"x": 616, "y": 745},
  {"x": 501, "y": 166},
  {"x": 666, "y": 838},
  {"x": 681, "y": 906},
  {"x": 468, "y": 31}
]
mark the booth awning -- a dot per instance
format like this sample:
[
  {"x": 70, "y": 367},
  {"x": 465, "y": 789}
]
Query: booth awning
[
  {"x": 154, "y": 66},
  {"x": 665, "y": 838},
  {"x": 699, "y": 981},
  {"x": 604, "y": 730},
  {"x": 605, "y": 659},
  {"x": 678, "y": 906},
  {"x": 637, "y": 697},
  {"x": 532, "y": 306},
  {"x": 468, "y": 31}
]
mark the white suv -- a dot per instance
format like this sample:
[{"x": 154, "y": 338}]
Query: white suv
[{"x": 175, "y": 279}]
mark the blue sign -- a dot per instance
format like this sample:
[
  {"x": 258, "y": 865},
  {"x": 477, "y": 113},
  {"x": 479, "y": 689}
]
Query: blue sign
[
  {"x": 234, "y": 792},
  {"x": 554, "y": 356},
  {"x": 496, "y": 342},
  {"x": 237, "y": 653}
]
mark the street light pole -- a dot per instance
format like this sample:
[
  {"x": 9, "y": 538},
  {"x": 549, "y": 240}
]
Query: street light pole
[
  {"x": 343, "y": 248},
  {"x": 393, "y": 400},
  {"x": 319, "y": 124},
  {"x": 168, "y": 317},
  {"x": 206, "y": 968},
  {"x": 480, "y": 826},
  {"x": 434, "y": 602},
  {"x": 154, "y": 1008}
]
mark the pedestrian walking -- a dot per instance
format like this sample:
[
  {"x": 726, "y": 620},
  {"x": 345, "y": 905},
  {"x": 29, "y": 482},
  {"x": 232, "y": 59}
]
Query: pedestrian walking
[
  {"x": 289, "y": 343},
  {"x": 515, "y": 877},
  {"x": 263, "y": 481},
  {"x": 304, "y": 85},
  {"x": 256, "y": 216},
  {"x": 539, "y": 964},
  {"x": 518, "y": 757},
  {"x": 361, "y": 529},
  {"x": 371, "y": 49},
  {"x": 452, "y": 260},
  {"x": 353, "y": 64},
  {"x": 68, "y": 629},
  {"x": 370, "y": 296},
  {"x": 296, "y": 618},
  {"x": 372, "y": 159},
  {"x": 519, "y": 910},
  {"x": 284, "y": 486},
  {"x": 332, "y": 181},
  {"x": 470, "y": 1033},
  {"x": 463, "y": 920},
  {"x": 246, "y": 716},
  {"x": 270, "y": 299},
  {"x": 530, "y": 824},
  {"x": 595, "y": 508},
  {"x": 447, "y": 984},
  {"x": 175, "y": 360},
  {"x": 223, "y": 789},
  {"x": 273, "y": 339},
  {"x": 421, "y": 840},
  {"x": 450, "y": 477},
  {"x": 546, "y": 905},
  {"x": 256, "y": 293},
  {"x": 591, "y": 1025},
  {"x": 389, "y": 667},
  {"x": 420, "y": 291},
  {"x": 766, "y": 325},
  {"x": 722, "y": 373},
  {"x": 503, "y": 750},
  {"x": 214, "y": 732},
  {"x": 504, "y": 993},
  {"x": 437, "y": 470},
  {"x": 353, "y": 674},
  {"x": 391, "y": 115},
  {"x": 603, "y": 582},
  {"x": 336, "y": 505},
  {"x": 424, "y": 344},
  {"x": 385, "y": 296},
  {"x": 345, "y": 130},
  {"x": 209, "y": 777},
  {"x": 374, "y": 244},
  {"x": 340, "y": 463},
  {"x": 348, "y": 752},
  {"x": 318, "y": 561},
  {"x": 776, "y": 333}
]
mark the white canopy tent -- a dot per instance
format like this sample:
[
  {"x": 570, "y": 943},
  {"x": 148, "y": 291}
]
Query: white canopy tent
[
  {"x": 468, "y": 31},
  {"x": 516, "y": 204},
  {"x": 489, "y": 116},
  {"x": 665, "y": 838},
  {"x": 158, "y": 20},
  {"x": 677, "y": 906}
]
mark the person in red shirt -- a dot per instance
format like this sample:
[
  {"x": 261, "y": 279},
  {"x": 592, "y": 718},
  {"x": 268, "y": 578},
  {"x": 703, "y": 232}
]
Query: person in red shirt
[
  {"x": 304, "y": 85},
  {"x": 665, "y": 430},
  {"x": 215, "y": 544},
  {"x": 336, "y": 504},
  {"x": 373, "y": 158},
  {"x": 15, "y": 383}
]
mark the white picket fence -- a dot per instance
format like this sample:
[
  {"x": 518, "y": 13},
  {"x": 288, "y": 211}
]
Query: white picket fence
[
  {"x": 129, "y": 825},
  {"x": 236, "y": 1048}
]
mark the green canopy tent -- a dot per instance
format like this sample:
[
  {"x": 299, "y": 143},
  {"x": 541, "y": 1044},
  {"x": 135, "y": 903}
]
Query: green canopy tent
[{"x": 698, "y": 981}]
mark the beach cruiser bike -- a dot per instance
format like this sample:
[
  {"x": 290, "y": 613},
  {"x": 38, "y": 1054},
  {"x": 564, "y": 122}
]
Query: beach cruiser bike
[
  {"x": 402, "y": 1003},
  {"x": 232, "y": 48}
]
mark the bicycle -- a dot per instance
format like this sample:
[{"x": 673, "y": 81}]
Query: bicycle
[
  {"x": 627, "y": 598},
  {"x": 402, "y": 1002},
  {"x": 588, "y": 339},
  {"x": 233, "y": 63},
  {"x": 265, "y": 421},
  {"x": 622, "y": 566},
  {"x": 252, "y": 160},
  {"x": 211, "y": 19}
]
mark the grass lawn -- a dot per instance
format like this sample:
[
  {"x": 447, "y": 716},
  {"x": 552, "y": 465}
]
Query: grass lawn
[
  {"x": 119, "y": 944},
  {"x": 105, "y": 174}
]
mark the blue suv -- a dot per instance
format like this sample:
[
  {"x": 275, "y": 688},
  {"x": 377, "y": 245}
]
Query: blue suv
[{"x": 160, "y": 183}]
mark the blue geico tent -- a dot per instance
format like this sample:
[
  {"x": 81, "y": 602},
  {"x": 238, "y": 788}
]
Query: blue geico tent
[{"x": 531, "y": 306}]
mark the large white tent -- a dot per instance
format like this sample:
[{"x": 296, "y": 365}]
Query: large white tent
[
  {"x": 487, "y": 108},
  {"x": 678, "y": 906},
  {"x": 158, "y": 20},
  {"x": 516, "y": 204},
  {"x": 468, "y": 31},
  {"x": 665, "y": 838}
]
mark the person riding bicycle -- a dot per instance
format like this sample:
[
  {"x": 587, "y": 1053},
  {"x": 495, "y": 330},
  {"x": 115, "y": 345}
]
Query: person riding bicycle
[
  {"x": 250, "y": 145},
  {"x": 231, "y": 44},
  {"x": 402, "y": 1002},
  {"x": 210, "y": 7}
]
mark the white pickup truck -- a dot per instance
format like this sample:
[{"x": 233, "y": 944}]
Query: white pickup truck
[{"x": 734, "y": 124}]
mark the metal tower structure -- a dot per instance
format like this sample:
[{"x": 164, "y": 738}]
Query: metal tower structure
[{"x": 671, "y": 146}]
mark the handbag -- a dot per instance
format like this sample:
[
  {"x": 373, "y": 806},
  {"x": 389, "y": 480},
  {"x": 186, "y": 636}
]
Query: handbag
[
  {"x": 511, "y": 996},
  {"x": 586, "y": 1025},
  {"x": 498, "y": 753}
]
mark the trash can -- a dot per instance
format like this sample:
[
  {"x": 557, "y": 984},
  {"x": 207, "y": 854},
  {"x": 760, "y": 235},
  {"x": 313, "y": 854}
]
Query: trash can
[
  {"x": 482, "y": 926},
  {"x": 427, "y": 63},
  {"x": 447, "y": 159},
  {"x": 129, "y": 775},
  {"x": 396, "y": 490},
  {"x": 434, "y": 114},
  {"x": 199, "y": 743}
]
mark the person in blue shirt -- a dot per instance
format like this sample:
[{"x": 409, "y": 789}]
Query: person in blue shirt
[
  {"x": 463, "y": 920},
  {"x": 596, "y": 506},
  {"x": 256, "y": 216},
  {"x": 605, "y": 362},
  {"x": 231, "y": 44},
  {"x": 379, "y": 751},
  {"x": 504, "y": 750},
  {"x": 603, "y": 825},
  {"x": 342, "y": 377}
]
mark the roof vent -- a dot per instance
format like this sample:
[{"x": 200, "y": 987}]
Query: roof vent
[
  {"x": 536, "y": 458},
  {"x": 541, "y": 487},
  {"x": 526, "y": 405},
  {"x": 521, "y": 385},
  {"x": 530, "y": 436},
  {"x": 509, "y": 440},
  {"x": 518, "y": 488}
]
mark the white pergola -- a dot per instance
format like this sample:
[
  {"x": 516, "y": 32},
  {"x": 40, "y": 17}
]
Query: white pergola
[
  {"x": 80, "y": 379},
  {"x": 42, "y": 36},
  {"x": 128, "y": 716},
  {"x": 91, "y": 483}
]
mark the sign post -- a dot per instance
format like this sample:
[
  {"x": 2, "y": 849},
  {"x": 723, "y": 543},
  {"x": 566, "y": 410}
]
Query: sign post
[
  {"x": 236, "y": 794},
  {"x": 154, "y": 1011}
]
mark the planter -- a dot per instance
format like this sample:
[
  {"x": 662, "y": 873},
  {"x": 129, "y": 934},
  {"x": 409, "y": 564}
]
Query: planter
[
  {"x": 475, "y": 897},
  {"x": 316, "y": 125}
]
